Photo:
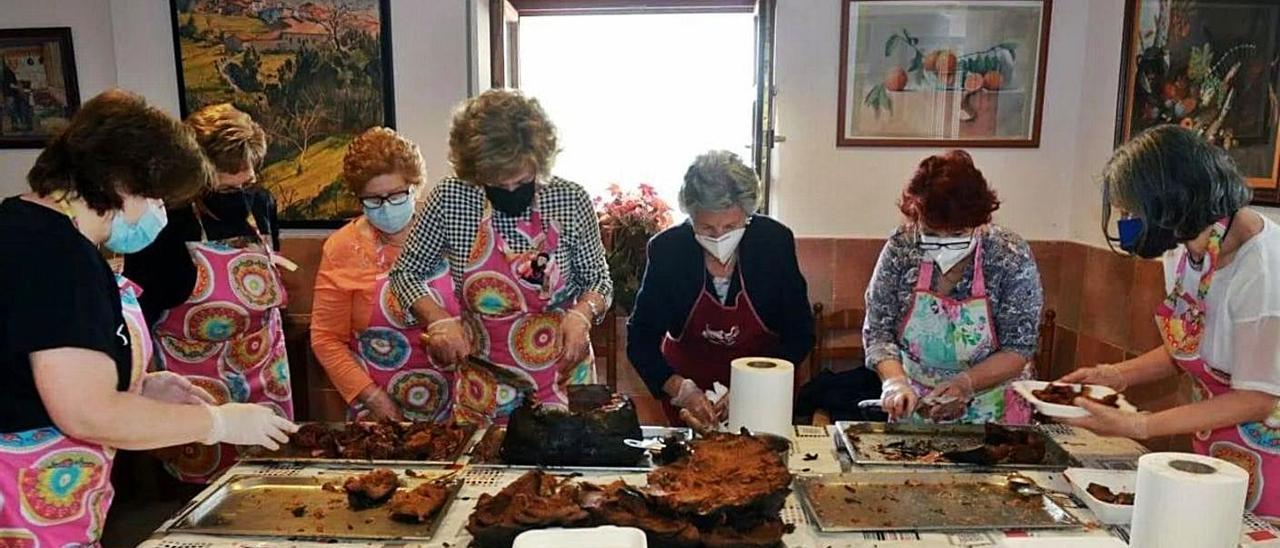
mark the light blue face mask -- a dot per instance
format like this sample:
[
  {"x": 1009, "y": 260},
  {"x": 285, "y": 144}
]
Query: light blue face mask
[
  {"x": 133, "y": 237},
  {"x": 390, "y": 218}
]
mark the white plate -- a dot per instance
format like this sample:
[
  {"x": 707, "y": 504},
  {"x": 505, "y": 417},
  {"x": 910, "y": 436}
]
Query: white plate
[
  {"x": 1115, "y": 480},
  {"x": 1062, "y": 542},
  {"x": 1025, "y": 388},
  {"x": 607, "y": 536}
]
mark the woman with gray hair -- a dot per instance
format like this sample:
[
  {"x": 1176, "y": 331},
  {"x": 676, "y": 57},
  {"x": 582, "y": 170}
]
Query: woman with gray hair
[{"x": 722, "y": 285}]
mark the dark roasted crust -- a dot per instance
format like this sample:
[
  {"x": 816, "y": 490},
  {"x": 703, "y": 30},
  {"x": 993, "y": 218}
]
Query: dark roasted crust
[
  {"x": 1105, "y": 494},
  {"x": 372, "y": 489},
  {"x": 418, "y": 505},
  {"x": 723, "y": 473},
  {"x": 1063, "y": 394},
  {"x": 589, "y": 434}
]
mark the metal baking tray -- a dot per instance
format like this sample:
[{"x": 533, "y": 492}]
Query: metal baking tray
[
  {"x": 945, "y": 437},
  {"x": 925, "y": 501},
  {"x": 291, "y": 453},
  {"x": 492, "y": 438},
  {"x": 263, "y": 506}
]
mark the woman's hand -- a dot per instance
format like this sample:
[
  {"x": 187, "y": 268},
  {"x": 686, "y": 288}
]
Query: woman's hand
[
  {"x": 575, "y": 339},
  {"x": 685, "y": 394},
  {"x": 952, "y": 398},
  {"x": 1106, "y": 374},
  {"x": 897, "y": 398},
  {"x": 380, "y": 405},
  {"x": 447, "y": 341},
  {"x": 170, "y": 387},
  {"x": 1104, "y": 420}
]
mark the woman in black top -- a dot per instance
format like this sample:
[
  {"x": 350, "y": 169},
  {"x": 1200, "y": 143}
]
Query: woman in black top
[
  {"x": 72, "y": 346},
  {"x": 723, "y": 285},
  {"x": 211, "y": 291}
]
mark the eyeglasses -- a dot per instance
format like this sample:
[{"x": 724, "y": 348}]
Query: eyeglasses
[
  {"x": 395, "y": 198},
  {"x": 934, "y": 246}
]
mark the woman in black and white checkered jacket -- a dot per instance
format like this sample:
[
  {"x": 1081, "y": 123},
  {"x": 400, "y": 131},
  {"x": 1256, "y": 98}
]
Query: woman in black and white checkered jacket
[{"x": 525, "y": 254}]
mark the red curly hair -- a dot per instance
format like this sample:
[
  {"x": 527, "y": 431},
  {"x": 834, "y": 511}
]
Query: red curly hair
[{"x": 947, "y": 193}]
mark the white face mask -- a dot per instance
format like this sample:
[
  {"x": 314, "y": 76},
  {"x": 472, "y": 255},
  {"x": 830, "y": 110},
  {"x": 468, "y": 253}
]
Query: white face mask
[
  {"x": 947, "y": 256},
  {"x": 724, "y": 247}
]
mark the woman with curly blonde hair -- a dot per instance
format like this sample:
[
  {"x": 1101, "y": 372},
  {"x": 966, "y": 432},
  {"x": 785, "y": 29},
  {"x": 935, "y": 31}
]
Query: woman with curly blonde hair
[
  {"x": 211, "y": 289},
  {"x": 362, "y": 337},
  {"x": 523, "y": 248}
]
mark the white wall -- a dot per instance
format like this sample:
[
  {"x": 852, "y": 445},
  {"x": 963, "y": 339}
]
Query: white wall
[
  {"x": 91, "y": 38},
  {"x": 129, "y": 43}
]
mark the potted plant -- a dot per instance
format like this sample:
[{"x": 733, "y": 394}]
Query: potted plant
[{"x": 628, "y": 219}]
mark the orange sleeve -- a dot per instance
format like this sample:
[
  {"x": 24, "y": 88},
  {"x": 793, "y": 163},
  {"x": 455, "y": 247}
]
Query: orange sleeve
[{"x": 331, "y": 313}]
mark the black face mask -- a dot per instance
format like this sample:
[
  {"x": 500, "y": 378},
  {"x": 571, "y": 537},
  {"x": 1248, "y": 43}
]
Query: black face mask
[
  {"x": 1153, "y": 244},
  {"x": 227, "y": 205},
  {"x": 513, "y": 203}
]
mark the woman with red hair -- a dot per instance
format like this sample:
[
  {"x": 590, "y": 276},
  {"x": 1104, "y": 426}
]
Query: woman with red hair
[{"x": 954, "y": 305}]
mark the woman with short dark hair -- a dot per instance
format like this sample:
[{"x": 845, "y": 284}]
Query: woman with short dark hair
[
  {"x": 1221, "y": 319},
  {"x": 74, "y": 347},
  {"x": 953, "y": 308}
]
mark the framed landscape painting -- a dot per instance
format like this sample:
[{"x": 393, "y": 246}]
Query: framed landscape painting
[
  {"x": 1211, "y": 66},
  {"x": 942, "y": 72},
  {"x": 313, "y": 73},
  {"x": 38, "y": 89}
]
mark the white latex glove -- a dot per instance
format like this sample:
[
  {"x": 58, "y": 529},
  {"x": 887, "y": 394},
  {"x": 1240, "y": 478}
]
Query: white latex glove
[
  {"x": 695, "y": 400},
  {"x": 897, "y": 398},
  {"x": 173, "y": 388},
  {"x": 951, "y": 398},
  {"x": 248, "y": 424}
]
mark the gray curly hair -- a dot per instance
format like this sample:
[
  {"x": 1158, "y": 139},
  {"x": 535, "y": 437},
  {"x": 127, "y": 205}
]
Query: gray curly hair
[{"x": 719, "y": 180}]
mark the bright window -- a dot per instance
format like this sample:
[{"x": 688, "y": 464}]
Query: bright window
[{"x": 637, "y": 97}]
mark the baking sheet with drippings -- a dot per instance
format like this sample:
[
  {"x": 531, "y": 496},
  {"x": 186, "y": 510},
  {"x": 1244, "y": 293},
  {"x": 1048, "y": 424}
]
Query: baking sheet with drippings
[
  {"x": 868, "y": 443},
  {"x": 292, "y": 453},
  {"x": 486, "y": 453},
  {"x": 924, "y": 501},
  {"x": 263, "y": 506}
]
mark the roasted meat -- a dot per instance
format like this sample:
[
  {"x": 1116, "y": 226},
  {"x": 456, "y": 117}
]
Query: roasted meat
[
  {"x": 765, "y": 534},
  {"x": 1105, "y": 494},
  {"x": 427, "y": 441},
  {"x": 371, "y": 489},
  {"x": 589, "y": 433},
  {"x": 534, "y": 501},
  {"x": 723, "y": 473},
  {"x": 316, "y": 438},
  {"x": 418, "y": 505},
  {"x": 625, "y": 506},
  {"x": 1065, "y": 394}
]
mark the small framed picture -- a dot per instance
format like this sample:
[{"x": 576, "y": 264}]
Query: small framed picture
[
  {"x": 38, "y": 89},
  {"x": 947, "y": 73}
]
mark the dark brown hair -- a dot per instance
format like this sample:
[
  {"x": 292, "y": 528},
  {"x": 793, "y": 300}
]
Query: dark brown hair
[
  {"x": 116, "y": 144},
  {"x": 947, "y": 192}
]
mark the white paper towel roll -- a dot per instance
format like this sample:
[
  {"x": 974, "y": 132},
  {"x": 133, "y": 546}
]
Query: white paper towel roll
[
  {"x": 760, "y": 395},
  {"x": 1184, "y": 500}
]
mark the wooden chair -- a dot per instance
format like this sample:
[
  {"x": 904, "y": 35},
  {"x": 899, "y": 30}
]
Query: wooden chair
[
  {"x": 604, "y": 342},
  {"x": 824, "y": 326}
]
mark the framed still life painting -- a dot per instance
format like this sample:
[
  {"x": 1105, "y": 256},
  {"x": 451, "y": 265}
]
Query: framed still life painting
[
  {"x": 313, "y": 73},
  {"x": 942, "y": 72},
  {"x": 38, "y": 89},
  {"x": 1212, "y": 66}
]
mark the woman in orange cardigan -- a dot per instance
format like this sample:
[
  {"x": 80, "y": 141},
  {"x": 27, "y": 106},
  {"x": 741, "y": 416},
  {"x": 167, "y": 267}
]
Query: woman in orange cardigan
[{"x": 364, "y": 340}]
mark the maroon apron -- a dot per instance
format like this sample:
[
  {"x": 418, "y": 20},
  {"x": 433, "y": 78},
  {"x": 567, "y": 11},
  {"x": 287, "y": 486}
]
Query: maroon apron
[{"x": 715, "y": 334}]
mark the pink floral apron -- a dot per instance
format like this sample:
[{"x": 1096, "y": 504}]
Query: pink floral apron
[
  {"x": 512, "y": 303},
  {"x": 1254, "y": 446},
  {"x": 941, "y": 337},
  {"x": 228, "y": 339},
  {"x": 390, "y": 351},
  {"x": 55, "y": 490}
]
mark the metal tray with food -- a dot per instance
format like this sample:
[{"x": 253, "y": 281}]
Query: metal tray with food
[
  {"x": 363, "y": 443},
  {"x": 928, "y": 501},
  {"x": 315, "y": 508},
  {"x": 952, "y": 445},
  {"x": 487, "y": 453}
]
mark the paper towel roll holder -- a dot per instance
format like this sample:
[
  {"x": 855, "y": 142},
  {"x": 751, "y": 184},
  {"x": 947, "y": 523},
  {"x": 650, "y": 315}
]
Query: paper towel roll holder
[
  {"x": 761, "y": 364},
  {"x": 1192, "y": 467}
]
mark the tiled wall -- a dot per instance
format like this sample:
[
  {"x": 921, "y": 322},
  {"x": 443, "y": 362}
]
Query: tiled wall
[{"x": 1103, "y": 303}]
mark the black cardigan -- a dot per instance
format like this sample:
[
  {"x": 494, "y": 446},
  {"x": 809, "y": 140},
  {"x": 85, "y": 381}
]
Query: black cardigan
[
  {"x": 676, "y": 275},
  {"x": 164, "y": 269}
]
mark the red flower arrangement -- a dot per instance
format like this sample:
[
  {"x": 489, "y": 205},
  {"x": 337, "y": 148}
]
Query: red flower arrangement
[{"x": 628, "y": 220}]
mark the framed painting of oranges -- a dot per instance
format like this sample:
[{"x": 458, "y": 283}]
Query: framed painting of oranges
[
  {"x": 1212, "y": 66},
  {"x": 942, "y": 72}
]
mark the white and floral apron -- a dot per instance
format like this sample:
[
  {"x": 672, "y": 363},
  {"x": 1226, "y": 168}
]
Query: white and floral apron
[
  {"x": 941, "y": 337},
  {"x": 1254, "y": 446},
  {"x": 227, "y": 338},
  {"x": 55, "y": 490}
]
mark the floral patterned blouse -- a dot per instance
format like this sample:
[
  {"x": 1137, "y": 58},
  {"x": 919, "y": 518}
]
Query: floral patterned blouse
[{"x": 1013, "y": 285}]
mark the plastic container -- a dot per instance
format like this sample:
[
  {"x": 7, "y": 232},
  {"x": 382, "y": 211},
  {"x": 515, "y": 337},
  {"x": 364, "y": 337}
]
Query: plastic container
[
  {"x": 1025, "y": 389},
  {"x": 607, "y": 536},
  {"x": 1063, "y": 542},
  {"x": 1115, "y": 480}
]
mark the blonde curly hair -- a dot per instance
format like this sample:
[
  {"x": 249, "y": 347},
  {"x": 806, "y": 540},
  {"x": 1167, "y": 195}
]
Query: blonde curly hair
[
  {"x": 230, "y": 138},
  {"x": 379, "y": 151},
  {"x": 498, "y": 134}
]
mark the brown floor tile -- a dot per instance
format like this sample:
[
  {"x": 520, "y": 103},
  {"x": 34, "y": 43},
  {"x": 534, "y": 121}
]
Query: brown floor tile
[
  {"x": 1108, "y": 279},
  {"x": 1071, "y": 284},
  {"x": 854, "y": 265},
  {"x": 1148, "y": 291},
  {"x": 817, "y": 260}
]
